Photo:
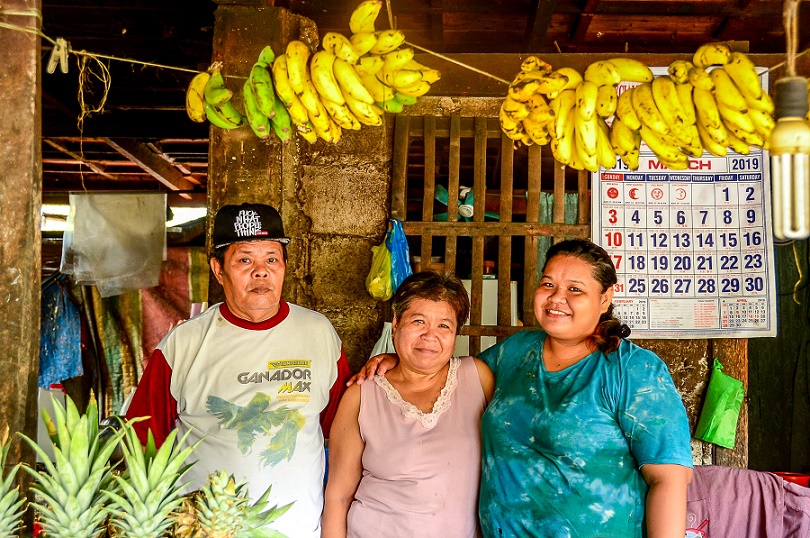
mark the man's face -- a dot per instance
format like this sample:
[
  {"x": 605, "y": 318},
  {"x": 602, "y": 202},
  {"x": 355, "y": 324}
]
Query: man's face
[{"x": 252, "y": 276}]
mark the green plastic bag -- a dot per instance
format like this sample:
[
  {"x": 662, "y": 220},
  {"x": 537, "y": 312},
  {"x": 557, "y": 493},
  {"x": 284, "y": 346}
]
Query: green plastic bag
[
  {"x": 378, "y": 281},
  {"x": 721, "y": 410}
]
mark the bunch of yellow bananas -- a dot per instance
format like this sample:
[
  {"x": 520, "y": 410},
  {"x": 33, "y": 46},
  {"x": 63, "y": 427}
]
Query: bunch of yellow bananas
[
  {"x": 208, "y": 98},
  {"x": 350, "y": 81},
  {"x": 525, "y": 114},
  {"x": 568, "y": 109},
  {"x": 712, "y": 103},
  {"x": 678, "y": 116},
  {"x": 592, "y": 99},
  {"x": 386, "y": 66}
]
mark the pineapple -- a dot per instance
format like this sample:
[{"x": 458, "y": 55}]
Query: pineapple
[
  {"x": 70, "y": 499},
  {"x": 185, "y": 520},
  {"x": 10, "y": 501},
  {"x": 149, "y": 489},
  {"x": 224, "y": 511}
]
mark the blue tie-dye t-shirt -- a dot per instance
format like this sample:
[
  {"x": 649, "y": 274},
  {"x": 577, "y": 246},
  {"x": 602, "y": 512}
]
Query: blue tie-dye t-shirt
[{"x": 562, "y": 450}]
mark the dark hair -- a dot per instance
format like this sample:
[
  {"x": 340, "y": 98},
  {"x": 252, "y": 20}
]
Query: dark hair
[
  {"x": 609, "y": 331},
  {"x": 219, "y": 253},
  {"x": 433, "y": 286}
]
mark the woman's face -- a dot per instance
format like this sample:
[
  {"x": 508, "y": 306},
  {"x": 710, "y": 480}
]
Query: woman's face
[
  {"x": 569, "y": 300},
  {"x": 425, "y": 335}
]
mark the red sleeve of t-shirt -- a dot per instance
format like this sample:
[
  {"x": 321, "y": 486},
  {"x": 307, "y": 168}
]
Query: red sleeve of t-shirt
[
  {"x": 343, "y": 374},
  {"x": 153, "y": 398}
]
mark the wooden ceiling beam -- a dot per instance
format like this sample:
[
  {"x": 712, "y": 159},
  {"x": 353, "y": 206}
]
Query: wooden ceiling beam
[
  {"x": 437, "y": 20},
  {"x": 154, "y": 164},
  {"x": 537, "y": 25},
  {"x": 79, "y": 159}
]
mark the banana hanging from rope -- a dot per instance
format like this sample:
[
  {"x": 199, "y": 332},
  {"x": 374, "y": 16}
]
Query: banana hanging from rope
[
  {"x": 258, "y": 121},
  {"x": 195, "y": 100},
  {"x": 364, "y": 15},
  {"x": 215, "y": 92},
  {"x": 323, "y": 77},
  {"x": 218, "y": 107},
  {"x": 286, "y": 93},
  {"x": 631, "y": 70},
  {"x": 647, "y": 110},
  {"x": 340, "y": 47},
  {"x": 261, "y": 85}
]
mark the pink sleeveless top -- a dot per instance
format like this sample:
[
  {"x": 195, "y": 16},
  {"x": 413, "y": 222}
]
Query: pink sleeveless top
[{"x": 420, "y": 470}]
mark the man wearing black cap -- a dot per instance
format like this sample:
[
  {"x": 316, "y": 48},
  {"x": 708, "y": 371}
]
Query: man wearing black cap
[{"x": 250, "y": 377}]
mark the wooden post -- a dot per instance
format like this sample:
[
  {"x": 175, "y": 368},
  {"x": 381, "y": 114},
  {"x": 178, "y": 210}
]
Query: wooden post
[
  {"x": 20, "y": 202},
  {"x": 733, "y": 355}
]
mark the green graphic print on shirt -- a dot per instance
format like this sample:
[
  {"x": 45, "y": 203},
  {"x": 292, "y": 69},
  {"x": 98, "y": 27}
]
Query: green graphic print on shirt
[
  {"x": 562, "y": 450},
  {"x": 255, "y": 418}
]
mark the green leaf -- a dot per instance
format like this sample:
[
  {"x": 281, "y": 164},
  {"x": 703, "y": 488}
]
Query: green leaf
[
  {"x": 62, "y": 431},
  {"x": 79, "y": 444},
  {"x": 276, "y": 512},
  {"x": 72, "y": 413}
]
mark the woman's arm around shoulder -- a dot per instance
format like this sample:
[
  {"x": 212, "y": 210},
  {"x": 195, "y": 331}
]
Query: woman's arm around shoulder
[
  {"x": 666, "y": 499},
  {"x": 345, "y": 465},
  {"x": 376, "y": 365},
  {"x": 486, "y": 377}
]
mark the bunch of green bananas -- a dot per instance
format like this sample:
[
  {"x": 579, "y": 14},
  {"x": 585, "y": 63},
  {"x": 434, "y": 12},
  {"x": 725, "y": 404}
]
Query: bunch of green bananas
[
  {"x": 349, "y": 82},
  {"x": 208, "y": 98},
  {"x": 712, "y": 103},
  {"x": 264, "y": 112}
]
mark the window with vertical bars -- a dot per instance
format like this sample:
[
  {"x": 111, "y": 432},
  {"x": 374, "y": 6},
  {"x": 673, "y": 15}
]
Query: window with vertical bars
[{"x": 473, "y": 203}]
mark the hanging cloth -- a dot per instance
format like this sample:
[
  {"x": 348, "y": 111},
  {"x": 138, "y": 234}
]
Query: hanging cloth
[{"x": 60, "y": 352}]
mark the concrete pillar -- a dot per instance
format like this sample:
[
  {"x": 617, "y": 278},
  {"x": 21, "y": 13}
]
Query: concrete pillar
[
  {"x": 333, "y": 198},
  {"x": 242, "y": 167},
  {"x": 20, "y": 201}
]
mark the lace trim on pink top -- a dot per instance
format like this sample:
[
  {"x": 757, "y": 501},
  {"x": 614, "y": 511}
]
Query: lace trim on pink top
[{"x": 442, "y": 404}]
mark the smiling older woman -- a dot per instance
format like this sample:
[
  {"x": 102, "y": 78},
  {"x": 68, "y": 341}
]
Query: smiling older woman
[{"x": 405, "y": 450}]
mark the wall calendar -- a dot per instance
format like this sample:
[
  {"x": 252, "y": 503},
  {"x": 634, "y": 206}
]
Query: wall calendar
[{"x": 693, "y": 249}]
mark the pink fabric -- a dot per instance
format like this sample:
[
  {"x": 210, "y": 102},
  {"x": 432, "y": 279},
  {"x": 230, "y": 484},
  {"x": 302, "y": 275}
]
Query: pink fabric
[
  {"x": 168, "y": 303},
  {"x": 418, "y": 481},
  {"x": 726, "y": 502}
]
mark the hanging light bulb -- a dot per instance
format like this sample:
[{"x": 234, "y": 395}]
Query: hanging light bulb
[
  {"x": 790, "y": 160},
  {"x": 790, "y": 142}
]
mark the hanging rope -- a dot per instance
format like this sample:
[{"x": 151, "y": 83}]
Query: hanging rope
[
  {"x": 86, "y": 74},
  {"x": 798, "y": 286},
  {"x": 790, "y": 19},
  {"x": 393, "y": 25}
]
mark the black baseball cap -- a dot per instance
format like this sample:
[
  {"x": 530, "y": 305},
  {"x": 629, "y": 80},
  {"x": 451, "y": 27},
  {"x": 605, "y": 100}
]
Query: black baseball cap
[{"x": 247, "y": 222}]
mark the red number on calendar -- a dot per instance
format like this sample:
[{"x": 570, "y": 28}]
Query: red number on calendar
[
  {"x": 617, "y": 261},
  {"x": 614, "y": 239},
  {"x": 613, "y": 216}
]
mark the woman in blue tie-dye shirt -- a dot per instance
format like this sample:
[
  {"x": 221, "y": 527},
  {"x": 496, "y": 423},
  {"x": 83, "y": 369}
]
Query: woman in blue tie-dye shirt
[{"x": 586, "y": 435}]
